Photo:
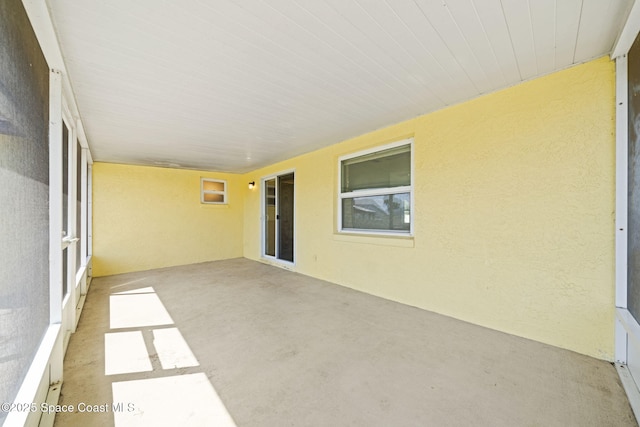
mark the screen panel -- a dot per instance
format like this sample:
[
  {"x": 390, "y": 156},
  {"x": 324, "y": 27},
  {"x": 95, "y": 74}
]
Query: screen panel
[
  {"x": 633, "y": 227},
  {"x": 24, "y": 197}
]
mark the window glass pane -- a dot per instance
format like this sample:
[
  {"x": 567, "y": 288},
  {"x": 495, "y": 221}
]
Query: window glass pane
[
  {"x": 270, "y": 217},
  {"x": 213, "y": 198},
  {"x": 285, "y": 216},
  {"x": 65, "y": 273},
  {"x": 388, "y": 212},
  {"x": 383, "y": 169},
  {"x": 65, "y": 179},
  {"x": 212, "y": 186}
]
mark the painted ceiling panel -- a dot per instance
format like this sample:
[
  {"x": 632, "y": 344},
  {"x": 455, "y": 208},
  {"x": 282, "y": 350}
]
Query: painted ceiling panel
[
  {"x": 476, "y": 41},
  {"x": 233, "y": 85},
  {"x": 568, "y": 14},
  {"x": 543, "y": 25},
  {"x": 594, "y": 37},
  {"x": 494, "y": 25}
]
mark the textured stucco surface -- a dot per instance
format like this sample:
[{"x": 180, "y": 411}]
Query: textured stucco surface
[
  {"x": 146, "y": 217},
  {"x": 514, "y": 213}
]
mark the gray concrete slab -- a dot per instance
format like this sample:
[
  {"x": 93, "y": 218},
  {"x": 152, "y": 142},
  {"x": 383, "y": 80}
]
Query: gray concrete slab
[{"x": 283, "y": 349}]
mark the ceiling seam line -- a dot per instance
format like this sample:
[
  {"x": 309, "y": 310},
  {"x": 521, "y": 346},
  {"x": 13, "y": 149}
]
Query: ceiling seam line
[{"x": 449, "y": 49}]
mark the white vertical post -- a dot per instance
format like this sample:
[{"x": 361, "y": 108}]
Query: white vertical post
[
  {"x": 83, "y": 217},
  {"x": 276, "y": 239},
  {"x": 73, "y": 229},
  {"x": 90, "y": 216},
  {"x": 621, "y": 203},
  {"x": 55, "y": 219},
  {"x": 55, "y": 196}
]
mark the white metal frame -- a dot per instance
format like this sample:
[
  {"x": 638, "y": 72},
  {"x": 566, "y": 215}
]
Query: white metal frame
[
  {"x": 263, "y": 215},
  {"x": 627, "y": 329},
  {"x": 621, "y": 207},
  {"x": 45, "y": 374},
  {"x": 46, "y": 367},
  {"x": 223, "y": 192},
  {"x": 89, "y": 215},
  {"x": 69, "y": 301},
  {"x": 43, "y": 379},
  {"x": 377, "y": 192},
  {"x": 628, "y": 33},
  {"x": 82, "y": 278}
]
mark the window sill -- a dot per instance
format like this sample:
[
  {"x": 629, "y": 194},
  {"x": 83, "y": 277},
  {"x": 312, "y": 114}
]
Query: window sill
[
  {"x": 402, "y": 241},
  {"x": 214, "y": 205}
]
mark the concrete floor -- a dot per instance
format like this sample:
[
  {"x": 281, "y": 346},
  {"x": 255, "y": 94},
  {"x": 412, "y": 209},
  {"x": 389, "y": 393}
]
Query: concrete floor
[{"x": 273, "y": 348}]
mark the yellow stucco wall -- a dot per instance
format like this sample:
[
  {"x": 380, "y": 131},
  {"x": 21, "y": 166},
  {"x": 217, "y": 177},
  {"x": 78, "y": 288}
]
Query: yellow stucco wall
[
  {"x": 514, "y": 213},
  {"x": 148, "y": 217}
]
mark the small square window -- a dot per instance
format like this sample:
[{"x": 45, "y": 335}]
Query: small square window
[{"x": 213, "y": 191}]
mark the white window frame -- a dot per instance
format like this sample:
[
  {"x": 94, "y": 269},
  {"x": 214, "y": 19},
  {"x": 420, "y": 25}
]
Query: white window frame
[
  {"x": 377, "y": 191},
  {"x": 203, "y": 191}
]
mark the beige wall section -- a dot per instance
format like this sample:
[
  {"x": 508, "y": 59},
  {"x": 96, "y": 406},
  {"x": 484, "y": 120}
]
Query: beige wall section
[
  {"x": 148, "y": 217},
  {"x": 514, "y": 213}
]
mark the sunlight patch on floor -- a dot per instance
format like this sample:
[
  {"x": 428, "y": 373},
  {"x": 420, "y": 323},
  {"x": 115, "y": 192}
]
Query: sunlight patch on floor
[
  {"x": 137, "y": 310},
  {"x": 129, "y": 283},
  {"x": 125, "y": 353},
  {"x": 147, "y": 290},
  {"x": 171, "y": 400},
  {"x": 184, "y": 400},
  {"x": 173, "y": 351}
]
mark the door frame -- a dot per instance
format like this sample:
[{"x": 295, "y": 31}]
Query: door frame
[
  {"x": 69, "y": 240},
  {"x": 263, "y": 213}
]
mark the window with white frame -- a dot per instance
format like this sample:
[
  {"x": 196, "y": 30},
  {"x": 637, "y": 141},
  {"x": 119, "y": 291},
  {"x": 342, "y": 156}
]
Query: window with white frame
[
  {"x": 213, "y": 191},
  {"x": 376, "y": 189}
]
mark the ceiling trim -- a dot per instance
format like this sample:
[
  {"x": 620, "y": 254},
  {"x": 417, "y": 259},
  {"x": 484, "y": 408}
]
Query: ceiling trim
[
  {"x": 629, "y": 32},
  {"x": 42, "y": 25}
]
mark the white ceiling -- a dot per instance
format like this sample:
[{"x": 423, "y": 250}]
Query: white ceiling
[{"x": 232, "y": 85}]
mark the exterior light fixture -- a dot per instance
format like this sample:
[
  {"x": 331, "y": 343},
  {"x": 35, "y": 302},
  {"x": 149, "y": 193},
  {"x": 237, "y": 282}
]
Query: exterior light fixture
[{"x": 251, "y": 185}]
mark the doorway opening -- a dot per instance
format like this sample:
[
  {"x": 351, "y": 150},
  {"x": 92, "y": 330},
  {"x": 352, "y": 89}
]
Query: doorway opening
[{"x": 278, "y": 228}]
